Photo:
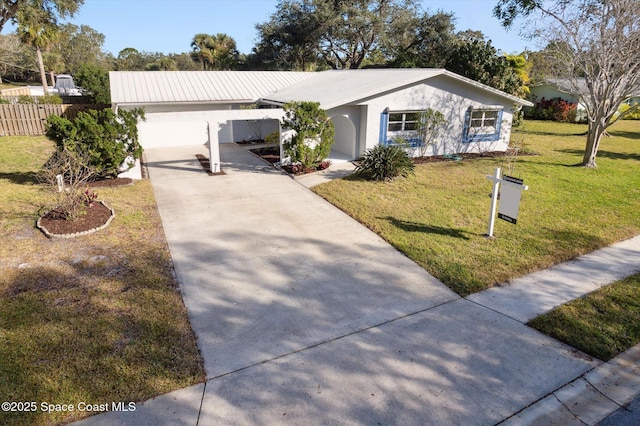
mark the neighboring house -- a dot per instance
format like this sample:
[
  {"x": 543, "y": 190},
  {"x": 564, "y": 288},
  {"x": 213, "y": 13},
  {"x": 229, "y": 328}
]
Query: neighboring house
[
  {"x": 367, "y": 107},
  {"x": 566, "y": 89},
  {"x": 563, "y": 88}
]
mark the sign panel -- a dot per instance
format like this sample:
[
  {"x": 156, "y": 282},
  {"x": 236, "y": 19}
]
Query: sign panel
[{"x": 510, "y": 199}]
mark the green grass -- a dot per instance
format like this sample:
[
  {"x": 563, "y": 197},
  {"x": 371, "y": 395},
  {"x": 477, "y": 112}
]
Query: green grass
[
  {"x": 93, "y": 319},
  {"x": 602, "y": 324},
  {"x": 439, "y": 217}
]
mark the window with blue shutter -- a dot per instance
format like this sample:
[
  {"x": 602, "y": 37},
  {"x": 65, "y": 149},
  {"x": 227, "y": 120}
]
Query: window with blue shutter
[{"x": 482, "y": 125}]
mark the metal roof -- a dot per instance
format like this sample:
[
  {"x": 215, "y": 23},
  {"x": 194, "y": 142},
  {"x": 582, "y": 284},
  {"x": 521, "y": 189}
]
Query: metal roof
[
  {"x": 144, "y": 87},
  {"x": 329, "y": 88},
  {"x": 342, "y": 87}
]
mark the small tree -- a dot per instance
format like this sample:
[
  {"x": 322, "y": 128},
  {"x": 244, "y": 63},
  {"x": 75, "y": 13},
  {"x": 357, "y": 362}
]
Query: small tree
[
  {"x": 67, "y": 174},
  {"x": 110, "y": 139},
  {"x": 313, "y": 136},
  {"x": 430, "y": 124}
]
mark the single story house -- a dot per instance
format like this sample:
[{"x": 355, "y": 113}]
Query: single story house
[
  {"x": 568, "y": 90},
  {"x": 367, "y": 107}
]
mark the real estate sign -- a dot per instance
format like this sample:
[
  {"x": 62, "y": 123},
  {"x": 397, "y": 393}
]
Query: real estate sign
[
  {"x": 510, "y": 199},
  {"x": 508, "y": 189}
]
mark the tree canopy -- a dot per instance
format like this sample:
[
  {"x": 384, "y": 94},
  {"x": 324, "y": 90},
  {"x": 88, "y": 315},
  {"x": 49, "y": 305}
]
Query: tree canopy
[
  {"x": 595, "y": 44},
  {"x": 55, "y": 9},
  {"x": 336, "y": 34},
  {"x": 214, "y": 52}
]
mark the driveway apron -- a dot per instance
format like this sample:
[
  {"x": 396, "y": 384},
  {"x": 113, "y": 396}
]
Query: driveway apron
[{"x": 302, "y": 313}]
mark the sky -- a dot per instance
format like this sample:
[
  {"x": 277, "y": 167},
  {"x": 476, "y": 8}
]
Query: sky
[{"x": 168, "y": 26}]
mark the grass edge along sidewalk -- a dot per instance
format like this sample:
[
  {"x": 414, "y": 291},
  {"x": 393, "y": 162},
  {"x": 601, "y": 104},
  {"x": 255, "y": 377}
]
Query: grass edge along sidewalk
[
  {"x": 603, "y": 323},
  {"x": 92, "y": 320}
]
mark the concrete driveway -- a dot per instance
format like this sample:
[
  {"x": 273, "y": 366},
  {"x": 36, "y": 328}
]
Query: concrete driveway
[{"x": 304, "y": 315}]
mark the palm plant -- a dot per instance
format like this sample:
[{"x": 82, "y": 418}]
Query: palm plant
[
  {"x": 36, "y": 28},
  {"x": 215, "y": 52},
  {"x": 201, "y": 49}
]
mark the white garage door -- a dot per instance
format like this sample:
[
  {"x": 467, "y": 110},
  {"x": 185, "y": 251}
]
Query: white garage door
[{"x": 153, "y": 134}]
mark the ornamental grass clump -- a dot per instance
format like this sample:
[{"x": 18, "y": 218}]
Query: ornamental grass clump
[{"x": 385, "y": 162}]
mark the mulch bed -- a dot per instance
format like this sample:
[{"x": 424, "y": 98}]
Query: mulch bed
[
  {"x": 270, "y": 153},
  {"x": 97, "y": 215},
  {"x": 206, "y": 165},
  {"x": 466, "y": 156},
  {"x": 251, "y": 142}
]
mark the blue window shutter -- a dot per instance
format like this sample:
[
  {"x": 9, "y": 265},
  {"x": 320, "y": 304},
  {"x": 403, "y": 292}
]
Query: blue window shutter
[
  {"x": 498, "y": 126},
  {"x": 384, "y": 124},
  {"x": 467, "y": 124}
]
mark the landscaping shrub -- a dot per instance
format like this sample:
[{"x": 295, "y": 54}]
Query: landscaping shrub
[
  {"x": 313, "y": 137},
  {"x": 272, "y": 138},
  {"x": 555, "y": 109},
  {"x": 635, "y": 115},
  {"x": 109, "y": 139},
  {"x": 72, "y": 199},
  {"x": 385, "y": 162},
  {"x": 26, "y": 100},
  {"x": 50, "y": 99}
]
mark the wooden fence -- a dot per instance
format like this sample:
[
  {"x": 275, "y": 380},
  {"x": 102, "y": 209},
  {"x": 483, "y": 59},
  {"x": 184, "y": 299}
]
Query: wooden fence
[{"x": 29, "y": 119}]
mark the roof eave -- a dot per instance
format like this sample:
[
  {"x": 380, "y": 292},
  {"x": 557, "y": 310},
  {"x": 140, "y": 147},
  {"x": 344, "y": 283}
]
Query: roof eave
[{"x": 516, "y": 100}]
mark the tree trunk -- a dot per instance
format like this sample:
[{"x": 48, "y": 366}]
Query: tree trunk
[
  {"x": 43, "y": 75},
  {"x": 594, "y": 136}
]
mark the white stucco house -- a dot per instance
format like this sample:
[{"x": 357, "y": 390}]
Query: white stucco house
[{"x": 367, "y": 107}]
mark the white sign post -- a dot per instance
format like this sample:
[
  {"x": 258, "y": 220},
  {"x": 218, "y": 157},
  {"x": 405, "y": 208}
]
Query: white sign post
[{"x": 509, "y": 198}]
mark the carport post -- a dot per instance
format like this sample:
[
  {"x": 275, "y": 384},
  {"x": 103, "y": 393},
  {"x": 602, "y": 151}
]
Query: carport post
[{"x": 214, "y": 148}]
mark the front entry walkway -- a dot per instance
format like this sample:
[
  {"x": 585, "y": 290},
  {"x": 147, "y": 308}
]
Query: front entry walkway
[{"x": 305, "y": 316}]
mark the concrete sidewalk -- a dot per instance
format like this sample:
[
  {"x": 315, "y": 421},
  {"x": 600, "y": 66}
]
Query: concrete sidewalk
[{"x": 305, "y": 316}]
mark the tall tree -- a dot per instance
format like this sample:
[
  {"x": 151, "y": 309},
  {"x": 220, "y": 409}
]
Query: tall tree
[
  {"x": 289, "y": 40},
  {"x": 55, "y": 8},
  {"x": 215, "y": 52},
  {"x": 342, "y": 34},
  {"x": 425, "y": 43},
  {"x": 36, "y": 28},
  {"x": 473, "y": 57},
  {"x": 600, "y": 41},
  {"x": 201, "y": 52},
  {"x": 17, "y": 61},
  {"x": 78, "y": 45}
]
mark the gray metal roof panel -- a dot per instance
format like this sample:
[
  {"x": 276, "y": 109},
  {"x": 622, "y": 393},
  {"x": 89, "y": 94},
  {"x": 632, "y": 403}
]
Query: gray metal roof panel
[
  {"x": 139, "y": 87},
  {"x": 341, "y": 87}
]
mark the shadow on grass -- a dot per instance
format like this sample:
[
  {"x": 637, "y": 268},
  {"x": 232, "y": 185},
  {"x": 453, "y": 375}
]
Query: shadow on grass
[
  {"x": 575, "y": 239},
  {"x": 606, "y": 154},
  {"x": 624, "y": 134},
  {"x": 101, "y": 331},
  {"x": 428, "y": 229},
  {"x": 20, "y": 178},
  {"x": 551, "y": 133}
]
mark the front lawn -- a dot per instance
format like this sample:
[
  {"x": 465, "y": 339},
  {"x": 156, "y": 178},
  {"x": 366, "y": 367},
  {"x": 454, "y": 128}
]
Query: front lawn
[
  {"x": 602, "y": 324},
  {"x": 96, "y": 319},
  {"x": 439, "y": 217}
]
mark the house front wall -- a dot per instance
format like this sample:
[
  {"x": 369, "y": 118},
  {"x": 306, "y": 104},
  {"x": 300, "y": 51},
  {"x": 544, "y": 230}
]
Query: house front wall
[{"x": 450, "y": 97}]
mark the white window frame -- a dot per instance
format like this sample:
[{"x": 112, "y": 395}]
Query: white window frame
[
  {"x": 483, "y": 124},
  {"x": 404, "y": 122}
]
